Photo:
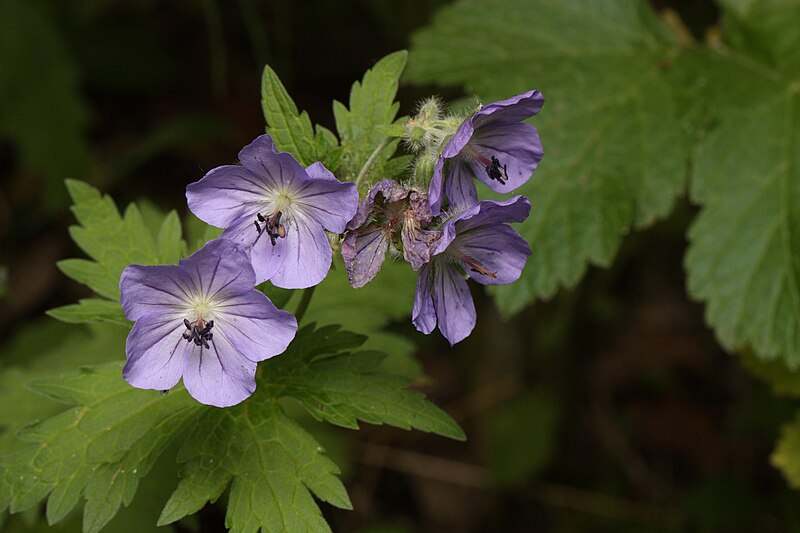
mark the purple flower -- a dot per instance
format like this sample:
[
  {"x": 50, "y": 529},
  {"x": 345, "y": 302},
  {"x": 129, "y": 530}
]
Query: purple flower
[
  {"x": 478, "y": 243},
  {"x": 277, "y": 210},
  {"x": 388, "y": 209},
  {"x": 201, "y": 320},
  {"x": 493, "y": 145}
]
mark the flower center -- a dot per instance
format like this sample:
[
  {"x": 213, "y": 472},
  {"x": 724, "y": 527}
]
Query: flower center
[{"x": 198, "y": 332}]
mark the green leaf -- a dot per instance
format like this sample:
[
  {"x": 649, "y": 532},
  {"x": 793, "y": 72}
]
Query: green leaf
[
  {"x": 786, "y": 456},
  {"x": 784, "y": 380},
  {"x": 291, "y": 130},
  {"x": 370, "y": 309},
  {"x": 767, "y": 30},
  {"x": 90, "y": 310},
  {"x": 372, "y": 111},
  {"x": 744, "y": 254},
  {"x": 113, "y": 242},
  {"x": 344, "y": 387},
  {"x": 615, "y": 151},
  {"x": 271, "y": 463},
  {"x": 98, "y": 449}
]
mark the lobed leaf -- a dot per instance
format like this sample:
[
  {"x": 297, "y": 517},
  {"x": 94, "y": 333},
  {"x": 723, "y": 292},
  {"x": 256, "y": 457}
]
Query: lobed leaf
[
  {"x": 372, "y": 111},
  {"x": 744, "y": 254},
  {"x": 112, "y": 242},
  {"x": 272, "y": 465},
  {"x": 291, "y": 130},
  {"x": 342, "y": 387},
  {"x": 370, "y": 309},
  {"x": 98, "y": 449},
  {"x": 615, "y": 151}
]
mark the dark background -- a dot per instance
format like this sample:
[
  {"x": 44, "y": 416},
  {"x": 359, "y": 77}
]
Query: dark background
[{"x": 609, "y": 408}]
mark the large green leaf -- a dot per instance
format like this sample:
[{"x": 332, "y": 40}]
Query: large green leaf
[
  {"x": 744, "y": 258},
  {"x": 615, "y": 152},
  {"x": 98, "y": 449},
  {"x": 272, "y": 464}
]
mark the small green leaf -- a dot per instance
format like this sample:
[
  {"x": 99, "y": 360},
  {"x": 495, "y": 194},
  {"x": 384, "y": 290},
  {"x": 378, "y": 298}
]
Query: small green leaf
[
  {"x": 292, "y": 131},
  {"x": 112, "y": 242},
  {"x": 786, "y": 456},
  {"x": 90, "y": 310},
  {"x": 372, "y": 111}
]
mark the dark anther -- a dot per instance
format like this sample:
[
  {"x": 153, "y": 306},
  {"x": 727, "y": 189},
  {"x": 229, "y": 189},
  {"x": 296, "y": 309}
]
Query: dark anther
[
  {"x": 496, "y": 172},
  {"x": 272, "y": 226},
  {"x": 199, "y": 332}
]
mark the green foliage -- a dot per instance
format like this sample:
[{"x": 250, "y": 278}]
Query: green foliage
[
  {"x": 113, "y": 242},
  {"x": 744, "y": 258},
  {"x": 272, "y": 464},
  {"x": 342, "y": 388},
  {"x": 615, "y": 152},
  {"x": 786, "y": 456},
  {"x": 363, "y": 127},
  {"x": 97, "y": 449},
  {"x": 616, "y": 145},
  {"x": 110, "y": 437},
  {"x": 370, "y": 309},
  {"x": 291, "y": 130},
  {"x": 90, "y": 310}
]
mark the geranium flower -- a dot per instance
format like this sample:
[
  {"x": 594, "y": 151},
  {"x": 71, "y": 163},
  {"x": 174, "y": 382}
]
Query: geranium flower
[
  {"x": 479, "y": 244},
  {"x": 277, "y": 210},
  {"x": 493, "y": 145},
  {"x": 203, "y": 321},
  {"x": 390, "y": 215}
]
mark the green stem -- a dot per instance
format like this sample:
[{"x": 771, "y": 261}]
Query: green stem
[
  {"x": 371, "y": 160},
  {"x": 303, "y": 305}
]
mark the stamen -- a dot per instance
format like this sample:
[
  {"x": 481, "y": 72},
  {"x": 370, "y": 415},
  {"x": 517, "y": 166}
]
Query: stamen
[
  {"x": 496, "y": 172},
  {"x": 474, "y": 265},
  {"x": 200, "y": 332}
]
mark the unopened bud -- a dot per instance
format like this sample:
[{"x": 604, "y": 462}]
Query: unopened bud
[{"x": 423, "y": 168}]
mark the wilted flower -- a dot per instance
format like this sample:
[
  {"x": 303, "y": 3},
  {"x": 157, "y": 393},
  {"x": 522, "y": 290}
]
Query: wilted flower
[
  {"x": 388, "y": 209},
  {"x": 493, "y": 145},
  {"x": 277, "y": 210},
  {"x": 202, "y": 320},
  {"x": 480, "y": 244}
]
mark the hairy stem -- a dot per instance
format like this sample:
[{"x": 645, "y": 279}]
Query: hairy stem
[{"x": 371, "y": 160}]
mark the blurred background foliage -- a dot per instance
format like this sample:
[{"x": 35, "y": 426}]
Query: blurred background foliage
[{"x": 609, "y": 407}]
